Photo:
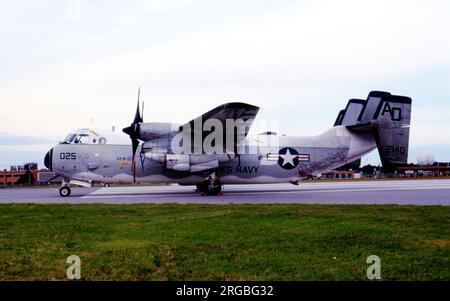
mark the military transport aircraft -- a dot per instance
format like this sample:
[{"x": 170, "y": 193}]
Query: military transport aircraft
[{"x": 213, "y": 149}]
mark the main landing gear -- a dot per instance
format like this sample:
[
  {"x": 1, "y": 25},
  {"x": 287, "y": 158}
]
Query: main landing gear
[{"x": 211, "y": 186}]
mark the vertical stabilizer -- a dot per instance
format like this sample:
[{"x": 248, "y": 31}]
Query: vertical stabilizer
[{"x": 388, "y": 118}]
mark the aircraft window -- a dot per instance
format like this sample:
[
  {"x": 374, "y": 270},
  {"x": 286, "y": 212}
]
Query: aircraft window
[
  {"x": 70, "y": 138},
  {"x": 82, "y": 139}
]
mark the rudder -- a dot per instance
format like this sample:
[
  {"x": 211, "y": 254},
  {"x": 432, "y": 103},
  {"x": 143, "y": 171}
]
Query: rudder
[{"x": 391, "y": 123}]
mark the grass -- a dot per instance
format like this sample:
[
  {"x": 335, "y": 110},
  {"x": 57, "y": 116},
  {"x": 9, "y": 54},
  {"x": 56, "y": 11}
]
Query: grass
[{"x": 224, "y": 242}]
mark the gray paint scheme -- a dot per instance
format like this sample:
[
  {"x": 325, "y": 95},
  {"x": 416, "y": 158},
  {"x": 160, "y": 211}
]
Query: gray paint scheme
[
  {"x": 365, "y": 127},
  {"x": 349, "y": 116}
]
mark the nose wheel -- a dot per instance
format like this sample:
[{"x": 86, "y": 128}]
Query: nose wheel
[{"x": 64, "y": 191}]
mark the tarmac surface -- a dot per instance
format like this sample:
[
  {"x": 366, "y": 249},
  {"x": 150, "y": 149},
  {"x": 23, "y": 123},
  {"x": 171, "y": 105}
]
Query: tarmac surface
[{"x": 400, "y": 192}]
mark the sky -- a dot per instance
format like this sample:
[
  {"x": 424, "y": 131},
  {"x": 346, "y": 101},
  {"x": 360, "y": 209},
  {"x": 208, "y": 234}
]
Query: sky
[{"x": 71, "y": 64}]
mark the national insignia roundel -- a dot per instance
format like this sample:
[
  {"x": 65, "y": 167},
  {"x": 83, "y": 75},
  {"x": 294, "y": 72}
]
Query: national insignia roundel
[{"x": 288, "y": 158}]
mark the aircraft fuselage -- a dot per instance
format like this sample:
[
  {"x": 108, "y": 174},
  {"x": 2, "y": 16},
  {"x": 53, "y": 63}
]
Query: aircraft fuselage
[{"x": 292, "y": 159}]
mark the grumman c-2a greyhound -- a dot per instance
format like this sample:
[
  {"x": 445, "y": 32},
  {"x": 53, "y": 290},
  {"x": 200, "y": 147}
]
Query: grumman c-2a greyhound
[{"x": 213, "y": 149}]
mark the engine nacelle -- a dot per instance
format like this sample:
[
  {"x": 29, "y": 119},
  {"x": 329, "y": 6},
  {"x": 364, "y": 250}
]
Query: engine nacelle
[
  {"x": 150, "y": 130},
  {"x": 186, "y": 162},
  {"x": 177, "y": 162}
]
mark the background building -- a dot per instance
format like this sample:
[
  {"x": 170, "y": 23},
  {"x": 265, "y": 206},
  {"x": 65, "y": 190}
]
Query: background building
[{"x": 27, "y": 174}]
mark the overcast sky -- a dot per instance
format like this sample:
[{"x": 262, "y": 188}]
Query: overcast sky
[{"x": 71, "y": 64}]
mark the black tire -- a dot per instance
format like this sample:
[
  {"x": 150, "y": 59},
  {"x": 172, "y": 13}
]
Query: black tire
[
  {"x": 214, "y": 191},
  {"x": 208, "y": 189},
  {"x": 64, "y": 191},
  {"x": 106, "y": 185}
]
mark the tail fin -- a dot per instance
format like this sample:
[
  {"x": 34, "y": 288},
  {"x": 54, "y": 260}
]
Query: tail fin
[
  {"x": 349, "y": 116},
  {"x": 391, "y": 122},
  {"x": 388, "y": 117}
]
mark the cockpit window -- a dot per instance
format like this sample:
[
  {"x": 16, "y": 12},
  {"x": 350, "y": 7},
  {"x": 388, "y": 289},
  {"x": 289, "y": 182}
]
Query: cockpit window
[
  {"x": 82, "y": 139},
  {"x": 70, "y": 138}
]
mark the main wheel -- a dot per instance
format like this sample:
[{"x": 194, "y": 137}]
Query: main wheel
[
  {"x": 64, "y": 191},
  {"x": 210, "y": 187},
  {"x": 106, "y": 185},
  {"x": 214, "y": 191}
]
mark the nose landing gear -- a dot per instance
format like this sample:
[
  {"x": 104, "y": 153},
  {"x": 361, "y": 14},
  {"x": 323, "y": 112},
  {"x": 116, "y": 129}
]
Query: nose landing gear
[{"x": 64, "y": 191}]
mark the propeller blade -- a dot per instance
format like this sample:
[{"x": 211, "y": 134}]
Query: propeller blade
[
  {"x": 135, "y": 144},
  {"x": 134, "y": 132},
  {"x": 137, "y": 116}
]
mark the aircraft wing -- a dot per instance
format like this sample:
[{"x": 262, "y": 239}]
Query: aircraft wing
[
  {"x": 231, "y": 110},
  {"x": 240, "y": 113}
]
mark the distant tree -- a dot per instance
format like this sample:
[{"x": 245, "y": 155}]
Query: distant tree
[
  {"x": 355, "y": 166},
  {"x": 368, "y": 169}
]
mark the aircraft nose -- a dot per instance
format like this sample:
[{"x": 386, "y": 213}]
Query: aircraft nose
[{"x": 48, "y": 159}]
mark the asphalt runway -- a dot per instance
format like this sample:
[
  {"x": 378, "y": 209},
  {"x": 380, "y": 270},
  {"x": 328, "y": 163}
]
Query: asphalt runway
[{"x": 405, "y": 192}]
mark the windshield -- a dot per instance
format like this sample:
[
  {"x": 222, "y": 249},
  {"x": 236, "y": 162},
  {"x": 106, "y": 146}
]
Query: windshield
[
  {"x": 70, "y": 138},
  {"x": 82, "y": 139}
]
